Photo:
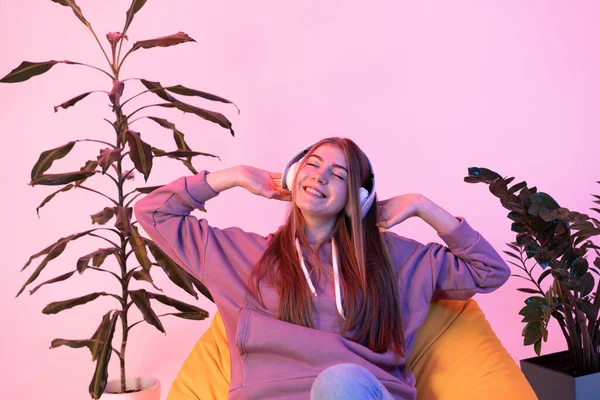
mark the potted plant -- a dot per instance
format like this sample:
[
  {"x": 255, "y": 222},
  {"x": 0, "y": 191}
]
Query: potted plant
[
  {"x": 556, "y": 242},
  {"x": 116, "y": 161}
]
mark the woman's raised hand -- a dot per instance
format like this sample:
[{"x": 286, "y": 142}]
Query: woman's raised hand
[
  {"x": 397, "y": 209},
  {"x": 264, "y": 183}
]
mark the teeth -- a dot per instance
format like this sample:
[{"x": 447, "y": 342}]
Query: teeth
[{"x": 313, "y": 191}]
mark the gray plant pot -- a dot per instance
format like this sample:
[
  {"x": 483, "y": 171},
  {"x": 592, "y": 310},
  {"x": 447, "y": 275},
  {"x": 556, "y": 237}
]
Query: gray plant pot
[{"x": 549, "y": 384}]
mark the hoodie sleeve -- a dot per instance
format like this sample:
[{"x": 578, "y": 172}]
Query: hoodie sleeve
[
  {"x": 165, "y": 216},
  {"x": 467, "y": 265}
]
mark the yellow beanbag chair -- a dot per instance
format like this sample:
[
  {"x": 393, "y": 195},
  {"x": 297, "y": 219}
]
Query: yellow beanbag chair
[{"x": 456, "y": 356}]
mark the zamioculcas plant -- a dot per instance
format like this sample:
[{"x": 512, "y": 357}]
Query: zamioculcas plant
[
  {"x": 118, "y": 157},
  {"x": 558, "y": 241}
]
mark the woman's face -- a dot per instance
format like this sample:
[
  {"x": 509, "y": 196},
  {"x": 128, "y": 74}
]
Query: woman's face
[{"x": 321, "y": 187}]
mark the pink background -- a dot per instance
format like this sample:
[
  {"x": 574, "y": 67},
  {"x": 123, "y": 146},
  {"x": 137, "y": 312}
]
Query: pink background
[{"x": 427, "y": 88}]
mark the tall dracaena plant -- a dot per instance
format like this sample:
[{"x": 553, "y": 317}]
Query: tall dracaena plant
[
  {"x": 124, "y": 239},
  {"x": 558, "y": 240}
]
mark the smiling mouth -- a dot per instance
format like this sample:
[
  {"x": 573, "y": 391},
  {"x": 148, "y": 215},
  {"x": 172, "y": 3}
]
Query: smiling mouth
[{"x": 314, "y": 192}]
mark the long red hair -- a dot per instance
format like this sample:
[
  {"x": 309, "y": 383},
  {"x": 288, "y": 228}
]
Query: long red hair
[{"x": 371, "y": 305}]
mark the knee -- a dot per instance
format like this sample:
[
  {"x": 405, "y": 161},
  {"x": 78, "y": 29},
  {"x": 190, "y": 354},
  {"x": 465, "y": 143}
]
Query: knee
[{"x": 345, "y": 381}]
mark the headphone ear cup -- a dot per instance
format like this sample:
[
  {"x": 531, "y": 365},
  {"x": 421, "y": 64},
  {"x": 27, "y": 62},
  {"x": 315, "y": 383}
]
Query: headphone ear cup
[
  {"x": 291, "y": 174},
  {"x": 363, "y": 194}
]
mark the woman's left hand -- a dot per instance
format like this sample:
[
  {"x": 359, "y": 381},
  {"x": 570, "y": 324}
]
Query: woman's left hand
[
  {"x": 397, "y": 209},
  {"x": 400, "y": 208}
]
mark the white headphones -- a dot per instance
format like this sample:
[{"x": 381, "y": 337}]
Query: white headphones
[{"x": 289, "y": 173}]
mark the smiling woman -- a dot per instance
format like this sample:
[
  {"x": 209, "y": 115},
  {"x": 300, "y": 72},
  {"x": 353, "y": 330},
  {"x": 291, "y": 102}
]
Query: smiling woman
[{"x": 329, "y": 303}]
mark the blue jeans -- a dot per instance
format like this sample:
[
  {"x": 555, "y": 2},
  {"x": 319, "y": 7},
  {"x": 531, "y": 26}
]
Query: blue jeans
[{"x": 348, "y": 382}]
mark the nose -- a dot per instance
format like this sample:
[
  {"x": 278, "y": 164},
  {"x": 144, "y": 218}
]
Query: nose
[{"x": 318, "y": 176}]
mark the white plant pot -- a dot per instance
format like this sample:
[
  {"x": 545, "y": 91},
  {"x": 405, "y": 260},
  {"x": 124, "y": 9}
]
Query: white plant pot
[{"x": 147, "y": 389}]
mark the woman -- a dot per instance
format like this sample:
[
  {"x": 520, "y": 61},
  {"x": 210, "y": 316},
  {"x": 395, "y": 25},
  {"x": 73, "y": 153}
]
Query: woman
[{"x": 328, "y": 306}]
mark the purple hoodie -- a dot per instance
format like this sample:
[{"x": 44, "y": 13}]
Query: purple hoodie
[{"x": 272, "y": 359}]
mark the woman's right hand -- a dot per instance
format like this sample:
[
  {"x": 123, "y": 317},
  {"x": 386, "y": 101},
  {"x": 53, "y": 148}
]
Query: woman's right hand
[{"x": 263, "y": 183}]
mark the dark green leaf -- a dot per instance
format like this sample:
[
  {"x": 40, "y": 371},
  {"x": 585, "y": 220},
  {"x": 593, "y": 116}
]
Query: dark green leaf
[
  {"x": 543, "y": 275},
  {"x": 512, "y": 255},
  {"x": 587, "y": 284},
  {"x": 178, "y": 89},
  {"x": 50, "y": 197},
  {"x": 61, "y": 179},
  {"x": 164, "y": 41},
  {"x": 515, "y": 188},
  {"x": 98, "y": 383},
  {"x": 527, "y": 290},
  {"x": 72, "y": 102},
  {"x": 54, "y": 280},
  {"x": 199, "y": 285},
  {"x": 46, "y": 159},
  {"x": 532, "y": 333},
  {"x": 537, "y": 347},
  {"x": 179, "y": 153},
  {"x": 140, "y": 298},
  {"x": 140, "y": 153},
  {"x": 59, "y": 306},
  {"x": 484, "y": 173}
]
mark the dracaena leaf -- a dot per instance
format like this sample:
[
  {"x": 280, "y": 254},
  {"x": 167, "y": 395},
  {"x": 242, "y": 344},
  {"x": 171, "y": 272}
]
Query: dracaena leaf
[
  {"x": 59, "y": 306},
  {"x": 72, "y": 102},
  {"x": 50, "y": 197},
  {"x": 140, "y": 153},
  {"x": 135, "y": 6},
  {"x": 54, "y": 280},
  {"x": 75, "y": 8},
  {"x": 113, "y": 38},
  {"x": 100, "y": 335},
  {"x": 180, "y": 153},
  {"x": 179, "y": 305},
  {"x": 174, "y": 272},
  {"x": 74, "y": 344},
  {"x": 123, "y": 222},
  {"x": 98, "y": 383},
  {"x": 51, "y": 253},
  {"x": 28, "y": 69},
  {"x": 190, "y": 315},
  {"x": 139, "y": 249},
  {"x": 156, "y": 87},
  {"x": 141, "y": 300},
  {"x": 97, "y": 257},
  {"x": 164, "y": 41},
  {"x": 178, "y": 136},
  {"x": 115, "y": 94},
  {"x": 107, "y": 157},
  {"x": 199, "y": 285},
  {"x": 211, "y": 116},
  {"x": 102, "y": 217},
  {"x": 149, "y": 189},
  {"x": 61, "y": 179},
  {"x": 46, "y": 159},
  {"x": 143, "y": 275},
  {"x": 178, "y": 89}
]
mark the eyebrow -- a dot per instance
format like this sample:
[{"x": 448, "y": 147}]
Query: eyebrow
[{"x": 334, "y": 165}]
